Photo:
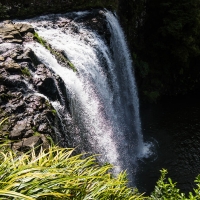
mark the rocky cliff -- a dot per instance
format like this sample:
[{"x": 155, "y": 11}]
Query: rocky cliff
[{"x": 24, "y": 85}]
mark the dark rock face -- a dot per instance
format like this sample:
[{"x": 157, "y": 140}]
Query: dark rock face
[
  {"x": 23, "y": 82},
  {"x": 45, "y": 82}
]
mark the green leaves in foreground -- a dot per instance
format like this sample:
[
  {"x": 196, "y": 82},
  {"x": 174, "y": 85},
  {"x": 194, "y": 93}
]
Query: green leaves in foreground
[
  {"x": 165, "y": 189},
  {"x": 57, "y": 174}
]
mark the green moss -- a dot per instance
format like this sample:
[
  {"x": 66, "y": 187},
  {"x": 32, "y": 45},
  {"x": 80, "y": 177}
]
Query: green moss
[
  {"x": 39, "y": 39},
  {"x": 54, "y": 111},
  {"x": 34, "y": 129},
  {"x": 36, "y": 133},
  {"x": 47, "y": 104},
  {"x": 25, "y": 71},
  {"x": 72, "y": 66},
  {"x": 62, "y": 59}
]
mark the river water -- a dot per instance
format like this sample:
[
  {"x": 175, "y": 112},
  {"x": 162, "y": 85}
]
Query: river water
[{"x": 173, "y": 126}]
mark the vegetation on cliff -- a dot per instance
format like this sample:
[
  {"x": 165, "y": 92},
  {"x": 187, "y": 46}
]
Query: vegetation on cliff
[
  {"x": 164, "y": 40},
  {"x": 25, "y": 9}
]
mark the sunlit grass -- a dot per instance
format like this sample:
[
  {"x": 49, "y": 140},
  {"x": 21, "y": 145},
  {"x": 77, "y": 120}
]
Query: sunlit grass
[{"x": 56, "y": 174}]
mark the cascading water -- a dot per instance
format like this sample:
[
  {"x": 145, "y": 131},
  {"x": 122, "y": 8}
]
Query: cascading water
[{"x": 102, "y": 93}]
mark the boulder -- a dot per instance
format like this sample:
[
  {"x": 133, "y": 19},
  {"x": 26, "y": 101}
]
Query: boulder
[
  {"x": 43, "y": 127},
  {"x": 23, "y": 28},
  {"x": 28, "y": 56},
  {"x": 12, "y": 67},
  {"x": 12, "y": 33},
  {"x": 18, "y": 131},
  {"x": 27, "y": 144},
  {"x": 45, "y": 82},
  {"x": 2, "y": 58}
]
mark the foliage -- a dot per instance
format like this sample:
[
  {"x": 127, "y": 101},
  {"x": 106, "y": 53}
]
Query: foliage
[
  {"x": 165, "y": 34},
  {"x": 3, "y": 135},
  {"x": 3, "y": 11},
  {"x": 3, "y": 121},
  {"x": 24, "y": 9},
  {"x": 57, "y": 174},
  {"x": 165, "y": 189}
]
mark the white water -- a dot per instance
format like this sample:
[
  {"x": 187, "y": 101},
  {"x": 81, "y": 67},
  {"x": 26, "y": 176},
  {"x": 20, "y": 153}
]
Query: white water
[{"x": 103, "y": 95}]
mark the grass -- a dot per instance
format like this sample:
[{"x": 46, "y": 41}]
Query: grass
[
  {"x": 57, "y": 174},
  {"x": 3, "y": 121}
]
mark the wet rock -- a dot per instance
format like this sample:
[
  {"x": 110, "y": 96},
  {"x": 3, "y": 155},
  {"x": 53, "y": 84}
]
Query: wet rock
[
  {"x": 18, "y": 130},
  {"x": 12, "y": 33},
  {"x": 28, "y": 56},
  {"x": 28, "y": 133},
  {"x": 22, "y": 77},
  {"x": 14, "y": 81},
  {"x": 43, "y": 128},
  {"x": 7, "y": 22},
  {"x": 45, "y": 142},
  {"x": 18, "y": 26},
  {"x": 9, "y": 34},
  {"x": 23, "y": 28},
  {"x": 16, "y": 105},
  {"x": 47, "y": 87},
  {"x": 6, "y": 48},
  {"x": 3, "y": 89},
  {"x": 15, "y": 53},
  {"x": 27, "y": 144},
  {"x": 45, "y": 82},
  {"x": 12, "y": 67},
  {"x": 2, "y": 58},
  {"x": 28, "y": 36}
]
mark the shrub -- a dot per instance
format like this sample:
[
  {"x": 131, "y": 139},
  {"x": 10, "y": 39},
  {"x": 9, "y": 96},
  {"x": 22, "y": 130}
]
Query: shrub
[
  {"x": 56, "y": 174},
  {"x": 165, "y": 189}
]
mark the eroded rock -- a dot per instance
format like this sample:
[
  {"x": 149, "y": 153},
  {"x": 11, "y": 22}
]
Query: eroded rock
[
  {"x": 13, "y": 33},
  {"x": 28, "y": 143},
  {"x": 24, "y": 83}
]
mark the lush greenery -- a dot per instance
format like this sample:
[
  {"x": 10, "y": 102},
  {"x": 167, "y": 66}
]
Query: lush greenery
[
  {"x": 56, "y": 174},
  {"x": 25, "y": 9},
  {"x": 165, "y": 189},
  {"x": 3, "y": 11},
  {"x": 164, "y": 36}
]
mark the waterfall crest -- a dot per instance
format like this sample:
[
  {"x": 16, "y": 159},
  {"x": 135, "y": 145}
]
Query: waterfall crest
[{"x": 102, "y": 94}]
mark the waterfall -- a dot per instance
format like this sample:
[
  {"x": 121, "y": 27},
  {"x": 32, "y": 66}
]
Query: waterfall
[{"x": 102, "y": 94}]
